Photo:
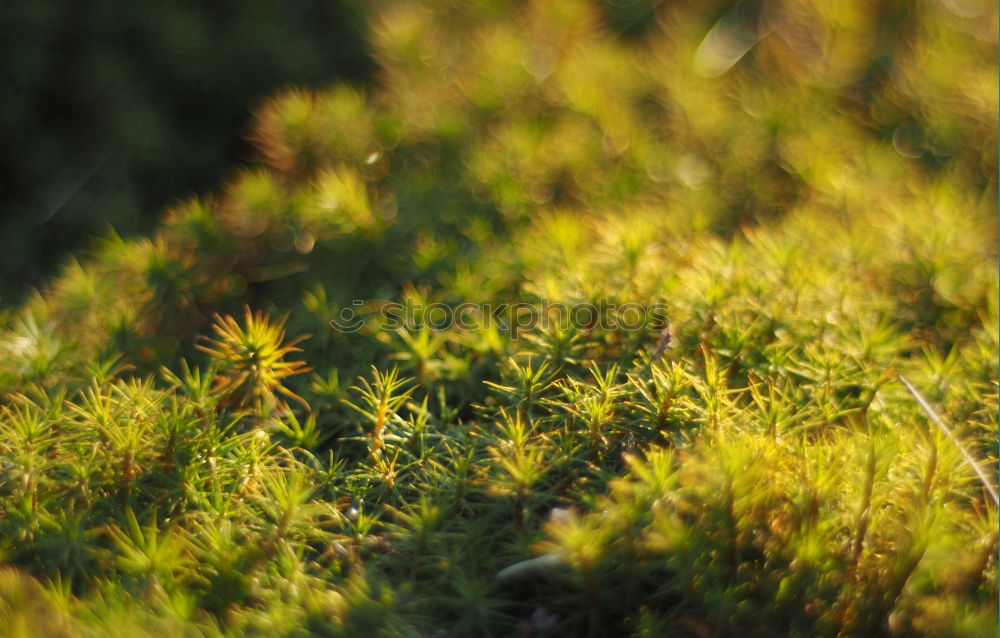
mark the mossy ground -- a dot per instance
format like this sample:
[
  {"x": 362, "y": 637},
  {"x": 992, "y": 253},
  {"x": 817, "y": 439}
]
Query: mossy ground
[{"x": 817, "y": 218}]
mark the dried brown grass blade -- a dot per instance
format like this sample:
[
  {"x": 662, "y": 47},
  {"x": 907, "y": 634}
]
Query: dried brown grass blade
[{"x": 932, "y": 415}]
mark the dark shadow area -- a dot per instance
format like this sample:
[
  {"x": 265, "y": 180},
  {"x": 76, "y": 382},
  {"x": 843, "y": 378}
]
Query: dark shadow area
[{"x": 112, "y": 111}]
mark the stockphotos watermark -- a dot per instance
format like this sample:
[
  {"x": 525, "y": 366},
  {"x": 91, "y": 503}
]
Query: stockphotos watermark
[{"x": 510, "y": 319}]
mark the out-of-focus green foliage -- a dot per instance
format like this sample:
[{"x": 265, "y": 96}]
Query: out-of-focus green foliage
[
  {"x": 112, "y": 110},
  {"x": 809, "y": 188}
]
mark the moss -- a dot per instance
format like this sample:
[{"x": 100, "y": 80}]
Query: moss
[{"x": 600, "y": 345}]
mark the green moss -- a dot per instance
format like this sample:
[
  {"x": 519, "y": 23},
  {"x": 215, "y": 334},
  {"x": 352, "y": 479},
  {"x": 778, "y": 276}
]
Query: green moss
[{"x": 719, "y": 445}]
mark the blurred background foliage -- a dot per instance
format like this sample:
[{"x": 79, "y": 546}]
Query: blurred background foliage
[{"x": 112, "y": 110}]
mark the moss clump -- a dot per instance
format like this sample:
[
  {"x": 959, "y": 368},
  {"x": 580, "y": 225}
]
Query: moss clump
[{"x": 719, "y": 445}]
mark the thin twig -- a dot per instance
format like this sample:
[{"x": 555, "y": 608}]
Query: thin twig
[
  {"x": 667, "y": 340},
  {"x": 932, "y": 415}
]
